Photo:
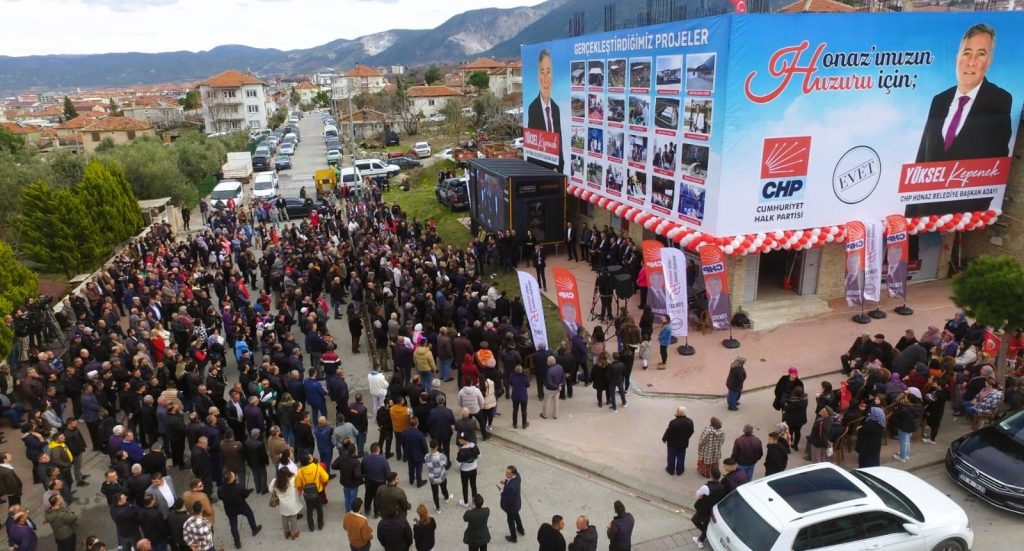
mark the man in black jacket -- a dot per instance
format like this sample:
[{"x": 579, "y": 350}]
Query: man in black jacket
[
  {"x": 440, "y": 423},
  {"x": 76, "y": 445},
  {"x": 586, "y": 536},
  {"x": 708, "y": 496},
  {"x": 677, "y": 439},
  {"x": 202, "y": 464},
  {"x": 549, "y": 536},
  {"x": 233, "y": 495},
  {"x": 255, "y": 452}
]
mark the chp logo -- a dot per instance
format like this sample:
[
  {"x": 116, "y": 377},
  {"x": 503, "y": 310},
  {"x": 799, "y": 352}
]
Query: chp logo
[
  {"x": 784, "y": 163},
  {"x": 856, "y": 175}
]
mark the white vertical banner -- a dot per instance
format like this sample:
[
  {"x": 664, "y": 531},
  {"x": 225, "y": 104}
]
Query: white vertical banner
[
  {"x": 874, "y": 250},
  {"x": 534, "y": 308},
  {"x": 673, "y": 265}
]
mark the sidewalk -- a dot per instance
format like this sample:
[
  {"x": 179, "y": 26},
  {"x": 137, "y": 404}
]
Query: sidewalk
[{"x": 769, "y": 353}]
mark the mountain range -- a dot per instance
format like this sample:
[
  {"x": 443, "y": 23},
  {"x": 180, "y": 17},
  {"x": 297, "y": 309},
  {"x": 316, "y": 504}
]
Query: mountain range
[{"x": 485, "y": 32}]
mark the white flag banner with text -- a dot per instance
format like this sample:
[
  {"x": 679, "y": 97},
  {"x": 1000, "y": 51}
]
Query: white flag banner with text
[
  {"x": 534, "y": 308},
  {"x": 874, "y": 233},
  {"x": 673, "y": 265}
]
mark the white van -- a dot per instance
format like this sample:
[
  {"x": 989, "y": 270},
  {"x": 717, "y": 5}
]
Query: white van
[
  {"x": 224, "y": 191},
  {"x": 374, "y": 168},
  {"x": 330, "y": 130},
  {"x": 264, "y": 185},
  {"x": 351, "y": 177}
]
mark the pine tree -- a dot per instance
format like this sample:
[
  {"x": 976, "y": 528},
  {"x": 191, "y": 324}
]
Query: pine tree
[
  {"x": 109, "y": 203},
  {"x": 55, "y": 230},
  {"x": 69, "y": 109},
  {"x": 128, "y": 203},
  {"x": 17, "y": 283}
]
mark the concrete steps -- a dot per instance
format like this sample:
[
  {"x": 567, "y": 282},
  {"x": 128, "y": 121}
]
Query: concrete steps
[{"x": 771, "y": 313}]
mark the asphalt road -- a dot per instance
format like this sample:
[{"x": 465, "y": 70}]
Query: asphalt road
[{"x": 993, "y": 528}]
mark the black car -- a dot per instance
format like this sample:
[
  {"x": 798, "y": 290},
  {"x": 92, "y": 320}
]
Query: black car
[
  {"x": 404, "y": 163},
  {"x": 297, "y": 207},
  {"x": 390, "y": 138},
  {"x": 261, "y": 163},
  {"x": 283, "y": 162},
  {"x": 989, "y": 463}
]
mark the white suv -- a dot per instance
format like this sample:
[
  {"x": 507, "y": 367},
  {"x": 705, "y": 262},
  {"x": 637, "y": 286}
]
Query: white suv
[
  {"x": 824, "y": 506},
  {"x": 374, "y": 168},
  {"x": 422, "y": 149}
]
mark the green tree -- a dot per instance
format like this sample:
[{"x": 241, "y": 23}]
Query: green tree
[
  {"x": 69, "y": 109},
  {"x": 66, "y": 168},
  {"x": 487, "y": 107},
  {"x": 278, "y": 118},
  {"x": 479, "y": 80},
  {"x": 55, "y": 230},
  {"x": 152, "y": 170},
  {"x": 991, "y": 290},
  {"x": 190, "y": 101},
  {"x": 322, "y": 99},
  {"x": 105, "y": 145},
  {"x": 109, "y": 202},
  {"x": 17, "y": 283},
  {"x": 11, "y": 142},
  {"x": 294, "y": 98},
  {"x": 453, "y": 117},
  {"x": 433, "y": 75},
  {"x": 114, "y": 109}
]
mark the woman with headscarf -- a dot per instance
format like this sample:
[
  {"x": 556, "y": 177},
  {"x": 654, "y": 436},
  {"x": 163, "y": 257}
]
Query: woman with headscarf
[
  {"x": 784, "y": 387},
  {"x": 709, "y": 447},
  {"x": 917, "y": 378},
  {"x": 794, "y": 414},
  {"x": 931, "y": 337},
  {"x": 869, "y": 439},
  {"x": 895, "y": 387},
  {"x": 936, "y": 394}
]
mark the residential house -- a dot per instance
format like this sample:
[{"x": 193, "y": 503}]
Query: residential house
[
  {"x": 119, "y": 129},
  {"x": 484, "y": 64},
  {"x": 506, "y": 80},
  {"x": 428, "y": 101},
  {"x": 233, "y": 101},
  {"x": 306, "y": 91},
  {"x": 156, "y": 110},
  {"x": 361, "y": 79},
  {"x": 29, "y": 133},
  {"x": 324, "y": 79},
  {"x": 368, "y": 124}
]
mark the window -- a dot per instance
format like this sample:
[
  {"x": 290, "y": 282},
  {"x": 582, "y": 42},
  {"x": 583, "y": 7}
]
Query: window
[
  {"x": 836, "y": 531},
  {"x": 229, "y": 93},
  {"x": 430, "y": 102},
  {"x": 253, "y": 108},
  {"x": 95, "y": 136},
  {"x": 131, "y": 134},
  {"x": 746, "y": 523},
  {"x": 890, "y": 496},
  {"x": 251, "y": 93},
  {"x": 815, "y": 489},
  {"x": 254, "y": 125},
  {"x": 586, "y": 208},
  {"x": 880, "y": 523}
]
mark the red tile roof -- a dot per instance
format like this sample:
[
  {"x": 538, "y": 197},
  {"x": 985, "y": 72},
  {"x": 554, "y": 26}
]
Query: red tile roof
[
  {"x": 19, "y": 129},
  {"x": 305, "y": 86},
  {"x": 483, "y": 63},
  {"x": 79, "y": 122},
  {"x": 363, "y": 71},
  {"x": 818, "y": 6},
  {"x": 117, "y": 124},
  {"x": 231, "y": 79},
  {"x": 431, "y": 92}
]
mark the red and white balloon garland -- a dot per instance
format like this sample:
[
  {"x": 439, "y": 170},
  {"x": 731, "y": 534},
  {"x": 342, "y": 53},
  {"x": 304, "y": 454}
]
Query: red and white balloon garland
[{"x": 780, "y": 239}]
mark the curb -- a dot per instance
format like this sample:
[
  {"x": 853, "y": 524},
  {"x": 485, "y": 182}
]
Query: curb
[
  {"x": 609, "y": 474},
  {"x": 690, "y": 396}
]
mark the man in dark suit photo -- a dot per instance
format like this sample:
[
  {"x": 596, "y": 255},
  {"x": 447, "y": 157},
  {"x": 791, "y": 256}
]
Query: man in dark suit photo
[
  {"x": 968, "y": 121},
  {"x": 972, "y": 119},
  {"x": 543, "y": 113}
]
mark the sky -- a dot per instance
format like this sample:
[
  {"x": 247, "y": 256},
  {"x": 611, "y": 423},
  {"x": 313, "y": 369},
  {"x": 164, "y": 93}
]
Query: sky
[{"x": 39, "y": 27}]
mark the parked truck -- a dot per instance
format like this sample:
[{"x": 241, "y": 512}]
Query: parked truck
[{"x": 238, "y": 167}]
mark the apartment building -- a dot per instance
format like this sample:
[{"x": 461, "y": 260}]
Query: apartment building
[{"x": 234, "y": 101}]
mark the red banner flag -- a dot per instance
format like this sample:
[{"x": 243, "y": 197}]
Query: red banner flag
[
  {"x": 897, "y": 254},
  {"x": 716, "y": 285},
  {"x": 568, "y": 300},
  {"x": 854, "y": 285},
  {"x": 655, "y": 277}
]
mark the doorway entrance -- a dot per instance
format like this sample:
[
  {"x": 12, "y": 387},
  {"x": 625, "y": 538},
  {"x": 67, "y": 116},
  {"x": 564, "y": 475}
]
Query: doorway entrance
[{"x": 778, "y": 274}]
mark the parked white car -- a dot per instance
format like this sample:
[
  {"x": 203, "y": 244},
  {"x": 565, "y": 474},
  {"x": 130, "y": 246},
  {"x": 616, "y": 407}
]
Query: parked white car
[
  {"x": 824, "y": 506},
  {"x": 375, "y": 167},
  {"x": 422, "y": 149},
  {"x": 224, "y": 191},
  {"x": 264, "y": 185}
]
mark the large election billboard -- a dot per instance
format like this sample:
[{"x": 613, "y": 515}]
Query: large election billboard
[{"x": 749, "y": 123}]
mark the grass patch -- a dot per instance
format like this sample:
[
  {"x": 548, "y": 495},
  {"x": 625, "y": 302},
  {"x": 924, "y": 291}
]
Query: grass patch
[{"x": 420, "y": 203}]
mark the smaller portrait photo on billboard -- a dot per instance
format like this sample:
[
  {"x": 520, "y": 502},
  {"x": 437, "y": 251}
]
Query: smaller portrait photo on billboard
[
  {"x": 700, "y": 74},
  {"x": 638, "y": 150},
  {"x": 578, "y": 104},
  {"x": 595, "y": 74},
  {"x": 616, "y": 75},
  {"x": 595, "y": 173},
  {"x": 595, "y": 142},
  {"x": 595, "y": 108},
  {"x": 578, "y": 138},
  {"x": 694, "y": 161},
  {"x": 697, "y": 118},
  {"x": 578, "y": 74},
  {"x": 536, "y": 217},
  {"x": 666, "y": 115},
  {"x": 640, "y": 75},
  {"x": 665, "y": 156},
  {"x": 616, "y": 111},
  {"x": 614, "y": 145},
  {"x": 662, "y": 193},
  {"x": 691, "y": 202},
  {"x": 669, "y": 76},
  {"x": 639, "y": 111},
  {"x": 636, "y": 185},
  {"x": 615, "y": 178},
  {"x": 576, "y": 167}
]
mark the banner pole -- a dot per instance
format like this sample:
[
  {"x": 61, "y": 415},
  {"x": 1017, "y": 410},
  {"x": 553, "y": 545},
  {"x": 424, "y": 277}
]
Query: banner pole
[
  {"x": 731, "y": 342},
  {"x": 862, "y": 318},
  {"x": 904, "y": 310},
  {"x": 686, "y": 349},
  {"x": 877, "y": 313}
]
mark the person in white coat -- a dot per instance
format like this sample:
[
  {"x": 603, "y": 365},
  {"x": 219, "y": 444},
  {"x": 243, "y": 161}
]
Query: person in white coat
[
  {"x": 378, "y": 384},
  {"x": 289, "y": 505}
]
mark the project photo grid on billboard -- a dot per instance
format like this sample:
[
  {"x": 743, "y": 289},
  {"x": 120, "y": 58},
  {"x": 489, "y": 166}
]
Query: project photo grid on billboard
[
  {"x": 640, "y": 114},
  {"x": 746, "y": 124}
]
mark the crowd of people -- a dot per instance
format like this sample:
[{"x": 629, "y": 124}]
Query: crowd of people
[{"x": 205, "y": 358}]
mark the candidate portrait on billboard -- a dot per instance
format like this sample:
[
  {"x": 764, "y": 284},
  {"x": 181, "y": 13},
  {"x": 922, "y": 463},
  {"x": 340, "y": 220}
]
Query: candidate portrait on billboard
[
  {"x": 970, "y": 120},
  {"x": 543, "y": 112}
]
